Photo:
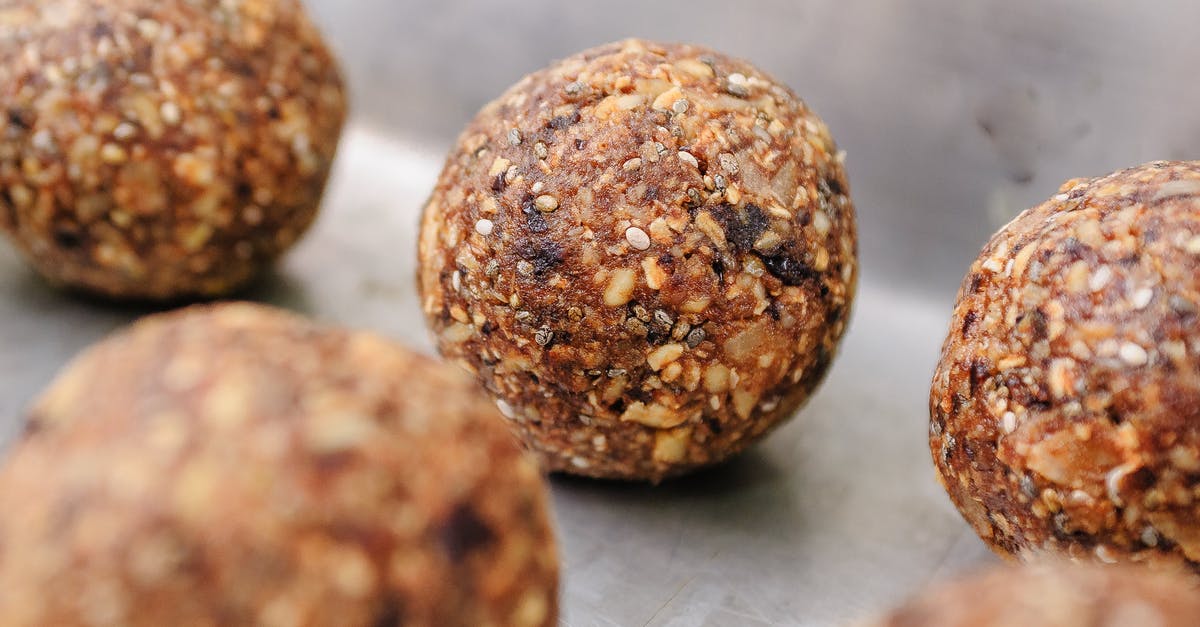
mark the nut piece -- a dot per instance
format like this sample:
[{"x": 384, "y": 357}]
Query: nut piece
[
  {"x": 663, "y": 284},
  {"x": 1064, "y": 410},
  {"x": 162, "y": 149},
  {"x": 379, "y": 486},
  {"x": 1053, "y": 595}
]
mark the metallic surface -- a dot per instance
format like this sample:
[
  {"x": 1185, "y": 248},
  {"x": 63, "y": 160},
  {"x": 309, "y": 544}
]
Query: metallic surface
[{"x": 955, "y": 116}]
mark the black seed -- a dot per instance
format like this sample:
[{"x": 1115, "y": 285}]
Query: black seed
[
  {"x": 792, "y": 271},
  {"x": 559, "y": 122},
  {"x": 835, "y": 185},
  {"x": 718, "y": 267},
  {"x": 500, "y": 183},
  {"x": 533, "y": 218},
  {"x": 580, "y": 144},
  {"x": 464, "y": 532},
  {"x": 389, "y": 614},
  {"x": 19, "y": 119},
  {"x": 1028, "y": 487},
  {"x": 66, "y": 238}
]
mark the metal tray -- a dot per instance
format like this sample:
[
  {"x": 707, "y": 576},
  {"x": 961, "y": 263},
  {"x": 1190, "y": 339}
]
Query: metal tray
[{"x": 955, "y": 116}]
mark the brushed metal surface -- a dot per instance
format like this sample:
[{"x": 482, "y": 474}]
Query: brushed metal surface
[{"x": 955, "y": 116}]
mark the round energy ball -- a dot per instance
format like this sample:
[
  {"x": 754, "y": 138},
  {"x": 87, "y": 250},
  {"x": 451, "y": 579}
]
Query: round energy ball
[
  {"x": 162, "y": 149},
  {"x": 646, "y": 253},
  {"x": 1066, "y": 406},
  {"x": 238, "y": 465},
  {"x": 1054, "y": 595}
]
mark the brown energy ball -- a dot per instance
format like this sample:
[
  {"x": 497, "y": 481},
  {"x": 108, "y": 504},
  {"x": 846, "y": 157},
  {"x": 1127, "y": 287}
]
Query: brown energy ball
[
  {"x": 646, "y": 253},
  {"x": 162, "y": 149},
  {"x": 1066, "y": 407},
  {"x": 1055, "y": 595},
  {"x": 237, "y": 465}
]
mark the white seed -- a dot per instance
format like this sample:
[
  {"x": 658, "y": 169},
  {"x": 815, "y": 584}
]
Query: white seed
[
  {"x": 687, "y": 158},
  {"x": 1133, "y": 354},
  {"x": 1100, "y": 278},
  {"x": 1142, "y": 298},
  {"x": 170, "y": 113},
  {"x": 537, "y": 187},
  {"x": 43, "y": 141},
  {"x": 485, "y": 227},
  {"x": 680, "y": 106},
  {"x": 505, "y": 408},
  {"x": 637, "y": 238},
  {"x": 124, "y": 131},
  {"x": 1009, "y": 422},
  {"x": 514, "y": 137}
]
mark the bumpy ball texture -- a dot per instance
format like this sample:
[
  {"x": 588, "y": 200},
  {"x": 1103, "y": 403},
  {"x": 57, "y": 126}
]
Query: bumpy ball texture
[
  {"x": 162, "y": 149},
  {"x": 1054, "y": 595},
  {"x": 241, "y": 466},
  {"x": 1066, "y": 407},
  {"x": 646, "y": 252}
]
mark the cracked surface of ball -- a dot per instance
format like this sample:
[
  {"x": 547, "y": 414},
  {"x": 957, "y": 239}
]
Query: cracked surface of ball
[
  {"x": 646, "y": 253},
  {"x": 1065, "y": 411},
  {"x": 238, "y": 465},
  {"x": 1054, "y": 595},
  {"x": 160, "y": 150}
]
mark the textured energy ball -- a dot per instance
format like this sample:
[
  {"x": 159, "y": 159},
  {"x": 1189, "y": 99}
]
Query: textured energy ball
[
  {"x": 162, "y": 149},
  {"x": 646, "y": 253},
  {"x": 1066, "y": 407},
  {"x": 1055, "y": 595},
  {"x": 238, "y": 465}
]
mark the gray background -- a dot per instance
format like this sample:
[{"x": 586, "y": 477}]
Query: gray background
[{"x": 955, "y": 115}]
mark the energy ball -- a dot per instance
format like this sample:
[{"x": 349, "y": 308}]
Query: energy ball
[
  {"x": 646, "y": 253},
  {"x": 238, "y": 465},
  {"x": 162, "y": 149},
  {"x": 1066, "y": 407},
  {"x": 1054, "y": 595}
]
